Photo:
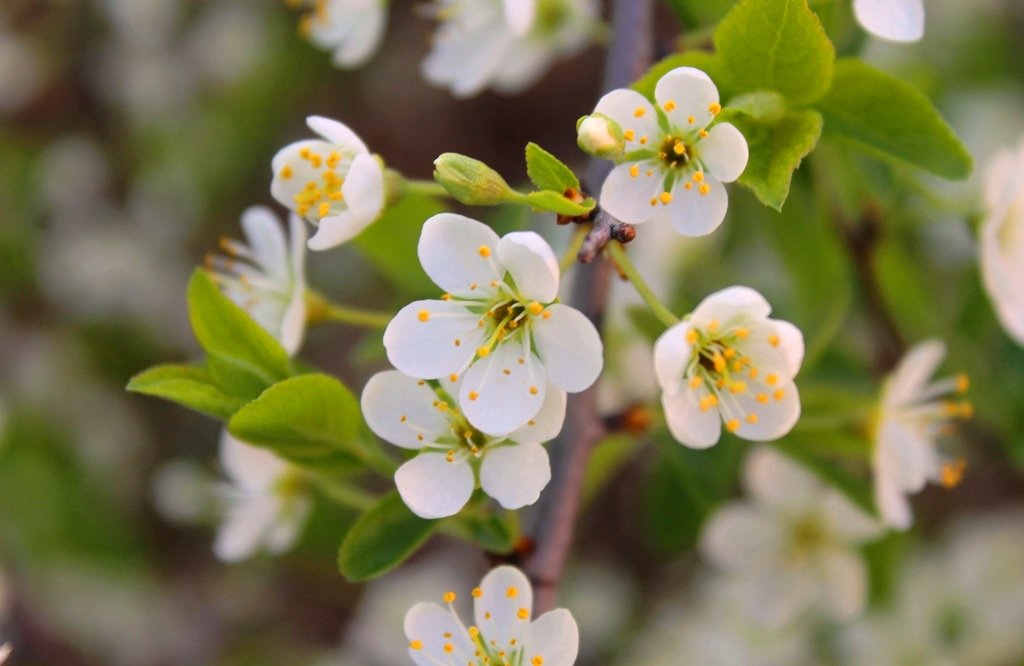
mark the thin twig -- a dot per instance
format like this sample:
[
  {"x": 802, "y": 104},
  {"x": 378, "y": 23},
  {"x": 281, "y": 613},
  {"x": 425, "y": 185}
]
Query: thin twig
[{"x": 629, "y": 55}]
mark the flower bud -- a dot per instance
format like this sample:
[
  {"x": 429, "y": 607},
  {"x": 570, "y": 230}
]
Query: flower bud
[
  {"x": 600, "y": 136},
  {"x": 471, "y": 181}
]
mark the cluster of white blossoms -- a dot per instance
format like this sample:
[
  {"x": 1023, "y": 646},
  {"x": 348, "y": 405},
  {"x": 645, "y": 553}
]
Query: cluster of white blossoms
[
  {"x": 729, "y": 362},
  {"x": 504, "y": 44},
  {"x": 893, "y": 20},
  {"x": 914, "y": 414},
  {"x": 502, "y": 633},
  {"x": 792, "y": 543},
  {"x": 351, "y": 29},
  {"x": 333, "y": 182},
  {"x": 1002, "y": 240},
  {"x": 675, "y": 158},
  {"x": 493, "y": 357}
]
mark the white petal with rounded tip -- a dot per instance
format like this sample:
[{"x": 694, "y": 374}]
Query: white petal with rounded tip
[
  {"x": 249, "y": 467},
  {"x": 336, "y": 229},
  {"x": 432, "y": 487},
  {"x": 731, "y": 303},
  {"x": 895, "y": 20},
  {"x": 913, "y": 373},
  {"x": 844, "y": 584},
  {"x": 496, "y": 393},
  {"x": 450, "y": 251},
  {"x": 687, "y": 423},
  {"x": 441, "y": 346},
  {"x": 436, "y": 627},
  {"x": 515, "y": 475},
  {"x": 569, "y": 347},
  {"x": 336, "y": 133},
  {"x": 362, "y": 43},
  {"x": 629, "y": 199},
  {"x": 848, "y": 521},
  {"x": 364, "y": 188},
  {"x": 293, "y": 327},
  {"x": 774, "y": 419},
  {"x": 621, "y": 106},
  {"x": 398, "y": 408},
  {"x": 791, "y": 342},
  {"x": 519, "y": 15},
  {"x": 741, "y": 537},
  {"x": 532, "y": 264},
  {"x": 775, "y": 480},
  {"x": 247, "y": 521},
  {"x": 672, "y": 355},
  {"x": 266, "y": 241},
  {"x": 496, "y": 612},
  {"x": 696, "y": 214},
  {"x": 724, "y": 152},
  {"x": 692, "y": 92},
  {"x": 546, "y": 425},
  {"x": 1001, "y": 272},
  {"x": 555, "y": 638}
]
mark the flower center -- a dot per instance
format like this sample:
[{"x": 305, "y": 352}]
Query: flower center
[
  {"x": 551, "y": 16},
  {"x": 675, "y": 153}
]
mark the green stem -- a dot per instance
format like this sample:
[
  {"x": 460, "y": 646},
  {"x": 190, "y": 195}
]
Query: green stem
[
  {"x": 320, "y": 310},
  {"x": 425, "y": 188},
  {"x": 626, "y": 267},
  {"x": 568, "y": 259}
]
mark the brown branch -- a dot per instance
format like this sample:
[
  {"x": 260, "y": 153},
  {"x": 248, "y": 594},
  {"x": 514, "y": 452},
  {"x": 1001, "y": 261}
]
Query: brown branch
[{"x": 629, "y": 55}]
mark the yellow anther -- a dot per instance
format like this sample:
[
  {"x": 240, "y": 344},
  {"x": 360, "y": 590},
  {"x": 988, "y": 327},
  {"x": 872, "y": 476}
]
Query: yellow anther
[
  {"x": 779, "y": 394},
  {"x": 753, "y": 373},
  {"x": 670, "y": 106},
  {"x": 704, "y": 188},
  {"x": 450, "y": 456},
  {"x": 458, "y": 342},
  {"x": 442, "y": 406},
  {"x": 546, "y": 315},
  {"x": 449, "y": 597},
  {"x": 688, "y": 186},
  {"x": 732, "y": 425},
  {"x": 678, "y": 148},
  {"x": 537, "y": 661},
  {"x": 691, "y": 120},
  {"x": 629, "y": 135},
  {"x": 533, "y": 390},
  {"x": 477, "y": 593},
  {"x": 286, "y": 172},
  {"x": 729, "y": 353},
  {"x": 473, "y": 632},
  {"x": 705, "y": 403},
  {"x": 696, "y": 382},
  {"x": 333, "y": 159},
  {"x": 953, "y": 473},
  {"x": 713, "y": 325},
  {"x": 698, "y": 176},
  {"x": 324, "y": 210},
  {"x": 423, "y": 315},
  {"x": 302, "y": 210},
  {"x": 703, "y": 134},
  {"x": 522, "y": 613},
  {"x": 665, "y": 197},
  {"x": 446, "y": 297},
  {"x": 771, "y": 379},
  {"x": 512, "y": 592},
  {"x": 763, "y": 398},
  {"x": 484, "y": 251},
  {"x": 742, "y": 332},
  {"x": 416, "y": 645},
  {"x": 714, "y": 108},
  {"x": 654, "y": 201},
  {"x": 453, "y": 377},
  {"x": 644, "y": 140},
  {"x": 316, "y": 161},
  {"x": 751, "y": 418},
  {"x": 963, "y": 382},
  {"x": 692, "y": 337},
  {"x": 640, "y": 112},
  {"x": 534, "y": 308},
  {"x": 449, "y": 648},
  {"x": 336, "y": 196},
  {"x": 718, "y": 361},
  {"x": 773, "y": 340},
  {"x": 473, "y": 395},
  {"x": 305, "y": 153},
  {"x": 738, "y": 387},
  {"x": 482, "y": 352},
  {"x": 634, "y": 171},
  {"x": 714, "y": 400},
  {"x": 403, "y": 418}
]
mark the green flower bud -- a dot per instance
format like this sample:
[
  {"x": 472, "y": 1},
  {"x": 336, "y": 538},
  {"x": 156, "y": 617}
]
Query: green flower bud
[
  {"x": 472, "y": 182},
  {"x": 600, "y": 136}
]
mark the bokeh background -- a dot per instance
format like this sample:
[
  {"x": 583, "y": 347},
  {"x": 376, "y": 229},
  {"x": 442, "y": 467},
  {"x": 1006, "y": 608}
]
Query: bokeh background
[{"x": 133, "y": 133}]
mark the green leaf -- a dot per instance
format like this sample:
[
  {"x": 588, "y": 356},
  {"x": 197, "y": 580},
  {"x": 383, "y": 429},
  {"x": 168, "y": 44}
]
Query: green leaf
[
  {"x": 556, "y": 203},
  {"x": 381, "y": 539},
  {"x": 702, "y": 60},
  {"x": 548, "y": 172},
  {"x": 390, "y": 243},
  {"x": 775, "y": 45},
  {"x": 495, "y": 533},
  {"x": 777, "y": 148},
  {"x": 311, "y": 420},
  {"x": 189, "y": 386},
  {"x": 891, "y": 118},
  {"x": 242, "y": 356}
]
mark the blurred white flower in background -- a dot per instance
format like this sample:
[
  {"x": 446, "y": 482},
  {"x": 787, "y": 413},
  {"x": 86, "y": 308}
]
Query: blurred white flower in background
[
  {"x": 728, "y": 362},
  {"x": 792, "y": 545},
  {"x": 915, "y": 413},
  {"x": 1002, "y": 239},
  {"x": 893, "y": 20},
  {"x": 352, "y": 29},
  {"x": 225, "y": 41},
  {"x": 504, "y": 44},
  {"x": 5, "y": 652}
]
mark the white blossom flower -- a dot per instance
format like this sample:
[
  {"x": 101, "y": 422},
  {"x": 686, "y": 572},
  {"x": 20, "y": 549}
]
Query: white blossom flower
[
  {"x": 792, "y": 543},
  {"x": 911, "y": 419},
  {"x": 497, "y": 327},
  {"x": 727, "y": 361},
  {"x": 1002, "y": 240},
  {"x": 334, "y": 182},
  {"x": 674, "y": 166},
  {"x": 5, "y": 652},
  {"x": 267, "y": 278},
  {"x": 502, "y": 635},
  {"x": 265, "y": 505},
  {"x": 454, "y": 456},
  {"x": 352, "y": 29},
  {"x": 893, "y": 20},
  {"x": 505, "y": 44}
]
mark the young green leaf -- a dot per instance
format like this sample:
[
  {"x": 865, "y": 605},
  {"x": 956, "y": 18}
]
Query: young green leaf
[
  {"x": 390, "y": 243},
  {"x": 776, "y": 149},
  {"x": 775, "y": 45},
  {"x": 311, "y": 420},
  {"x": 891, "y": 118},
  {"x": 241, "y": 354},
  {"x": 381, "y": 539},
  {"x": 556, "y": 203},
  {"x": 495, "y": 533},
  {"x": 189, "y": 386},
  {"x": 548, "y": 172}
]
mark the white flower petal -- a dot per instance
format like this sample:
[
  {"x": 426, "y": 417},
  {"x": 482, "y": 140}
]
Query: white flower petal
[
  {"x": 731, "y": 303},
  {"x": 284, "y": 189},
  {"x": 532, "y": 264},
  {"x": 554, "y": 638},
  {"x": 336, "y": 229},
  {"x": 293, "y": 326},
  {"x": 248, "y": 466},
  {"x": 848, "y": 521},
  {"x": 515, "y": 475},
  {"x": 844, "y": 585},
  {"x": 433, "y": 487},
  {"x": 775, "y": 480},
  {"x": 1001, "y": 272},
  {"x": 890, "y": 500},
  {"x": 546, "y": 425},
  {"x": 906, "y": 453},
  {"x": 629, "y": 199},
  {"x": 499, "y": 393},
  {"x": 688, "y": 424},
  {"x": 336, "y": 133},
  {"x": 266, "y": 241},
  {"x": 288, "y": 527},
  {"x": 435, "y": 627},
  {"x": 692, "y": 93},
  {"x": 400, "y": 410},
  {"x": 245, "y": 525},
  {"x": 569, "y": 346},
  {"x": 741, "y": 537},
  {"x": 440, "y": 346},
  {"x": 913, "y": 373},
  {"x": 696, "y": 214},
  {"x": 724, "y": 152},
  {"x": 771, "y": 420},
  {"x": 895, "y": 20},
  {"x": 459, "y": 255},
  {"x": 672, "y": 355},
  {"x": 519, "y": 15},
  {"x": 363, "y": 40},
  {"x": 505, "y": 591},
  {"x": 364, "y": 188},
  {"x": 623, "y": 106},
  {"x": 791, "y": 342}
]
